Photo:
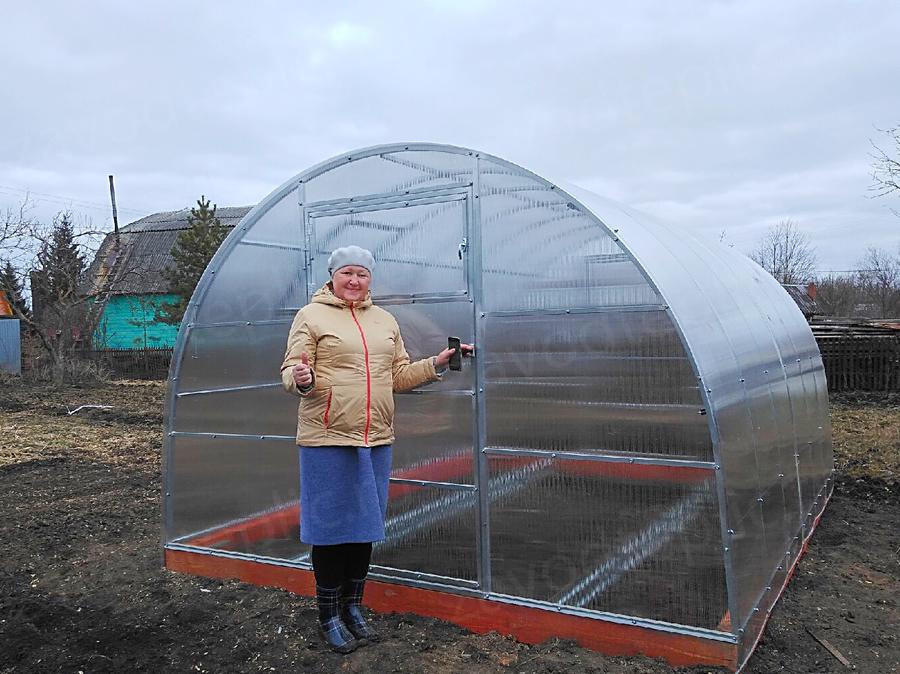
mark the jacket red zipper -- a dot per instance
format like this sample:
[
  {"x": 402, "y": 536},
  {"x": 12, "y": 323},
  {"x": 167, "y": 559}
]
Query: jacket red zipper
[
  {"x": 327, "y": 409},
  {"x": 368, "y": 379}
]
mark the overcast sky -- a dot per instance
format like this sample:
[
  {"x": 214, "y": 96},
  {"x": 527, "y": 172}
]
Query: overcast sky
[{"x": 710, "y": 115}]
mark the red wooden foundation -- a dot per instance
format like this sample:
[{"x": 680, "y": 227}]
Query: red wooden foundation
[{"x": 526, "y": 624}]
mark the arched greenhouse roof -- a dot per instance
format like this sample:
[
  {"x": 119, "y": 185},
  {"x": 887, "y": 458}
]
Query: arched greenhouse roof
[{"x": 647, "y": 409}]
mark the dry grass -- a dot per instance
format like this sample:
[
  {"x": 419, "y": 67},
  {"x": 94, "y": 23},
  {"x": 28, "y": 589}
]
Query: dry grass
[
  {"x": 35, "y": 423},
  {"x": 866, "y": 434}
]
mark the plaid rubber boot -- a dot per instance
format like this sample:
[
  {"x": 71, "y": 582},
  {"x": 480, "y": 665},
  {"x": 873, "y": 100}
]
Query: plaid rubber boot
[
  {"x": 351, "y": 599},
  {"x": 334, "y": 631}
]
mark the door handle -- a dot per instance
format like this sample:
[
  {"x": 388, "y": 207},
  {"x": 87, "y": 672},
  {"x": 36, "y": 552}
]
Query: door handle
[{"x": 463, "y": 247}]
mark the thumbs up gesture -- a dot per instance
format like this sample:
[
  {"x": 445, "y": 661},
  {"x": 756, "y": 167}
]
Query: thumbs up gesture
[{"x": 302, "y": 372}]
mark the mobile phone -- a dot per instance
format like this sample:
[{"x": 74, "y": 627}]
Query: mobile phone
[{"x": 456, "y": 358}]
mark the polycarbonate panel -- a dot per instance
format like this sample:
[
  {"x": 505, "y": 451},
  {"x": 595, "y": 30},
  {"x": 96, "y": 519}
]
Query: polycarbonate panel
[
  {"x": 731, "y": 368},
  {"x": 433, "y": 437},
  {"x": 254, "y": 283},
  {"x": 542, "y": 252},
  {"x": 279, "y": 225},
  {"x": 214, "y": 481},
  {"x": 771, "y": 410},
  {"x": 260, "y": 411},
  {"x": 416, "y": 248},
  {"x": 389, "y": 172},
  {"x": 808, "y": 391},
  {"x": 732, "y": 371},
  {"x": 591, "y": 535},
  {"x": 592, "y": 382},
  {"x": 425, "y": 327},
  {"x": 218, "y": 357},
  {"x": 429, "y": 530},
  {"x": 751, "y": 568}
]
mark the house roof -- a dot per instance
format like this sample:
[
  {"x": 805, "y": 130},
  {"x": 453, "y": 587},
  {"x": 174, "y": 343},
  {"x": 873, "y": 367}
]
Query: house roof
[
  {"x": 800, "y": 295},
  {"x": 166, "y": 221},
  {"x": 144, "y": 251}
]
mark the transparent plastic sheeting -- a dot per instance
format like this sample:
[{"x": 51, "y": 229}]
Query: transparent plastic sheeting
[
  {"x": 599, "y": 331},
  {"x": 214, "y": 481},
  {"x": 570, "y": 533},
  {"x": 540, "y": 251},
  {"x": 742, "y": 330},
  {"x": 611, "y": 382}
]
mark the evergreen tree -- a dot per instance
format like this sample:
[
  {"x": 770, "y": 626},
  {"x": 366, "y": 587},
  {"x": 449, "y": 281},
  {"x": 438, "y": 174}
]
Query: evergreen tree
[
  {"x": 192, "y": 252},
  {"x": 60, "y": 265},
  {"x": 57, "y": 305},
  {"x": 12, "y": 285}
]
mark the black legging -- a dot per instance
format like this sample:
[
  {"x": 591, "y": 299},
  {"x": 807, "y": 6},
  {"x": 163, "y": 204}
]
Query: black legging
[{"x": 333, "y": 564}]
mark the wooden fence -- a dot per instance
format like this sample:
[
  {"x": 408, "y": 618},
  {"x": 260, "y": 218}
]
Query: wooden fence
[
  {"x": 133, "y": 363},
  {"x": 867, "y": 362}
]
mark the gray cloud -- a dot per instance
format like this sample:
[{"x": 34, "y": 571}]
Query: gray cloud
[{"x": 711, "y": 116}]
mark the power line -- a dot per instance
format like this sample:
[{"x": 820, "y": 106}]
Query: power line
[{"x": 58, "y": 198}]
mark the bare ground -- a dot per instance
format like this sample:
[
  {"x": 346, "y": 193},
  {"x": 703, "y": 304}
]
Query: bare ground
[{"x": 82, "y": 586}]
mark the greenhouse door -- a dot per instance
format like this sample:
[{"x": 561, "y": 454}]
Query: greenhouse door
[{"x": 420, "y": 240}]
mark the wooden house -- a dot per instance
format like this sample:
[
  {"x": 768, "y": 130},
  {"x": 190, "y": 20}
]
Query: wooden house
[{"x": 129, "y": 285}]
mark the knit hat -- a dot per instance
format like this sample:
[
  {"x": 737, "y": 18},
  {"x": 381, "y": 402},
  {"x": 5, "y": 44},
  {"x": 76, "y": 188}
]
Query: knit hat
[{"x": 350, "y": 255}]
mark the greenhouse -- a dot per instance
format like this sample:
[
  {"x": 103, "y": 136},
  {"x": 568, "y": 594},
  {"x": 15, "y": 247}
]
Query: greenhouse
[{"x": 635, "y": 458}]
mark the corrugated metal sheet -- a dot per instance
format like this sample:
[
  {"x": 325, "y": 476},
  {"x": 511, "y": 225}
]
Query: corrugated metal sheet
[{"x": 10, "y": 346}]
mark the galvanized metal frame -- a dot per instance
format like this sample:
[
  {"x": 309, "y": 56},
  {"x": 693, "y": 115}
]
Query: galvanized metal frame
[
  {"x": 603, "y": 457},
  {"x": 481, "y": 453},
  {"x": 479, "y": 460}
]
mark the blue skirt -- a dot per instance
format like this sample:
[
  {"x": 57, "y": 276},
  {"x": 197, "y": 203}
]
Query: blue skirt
[{"x": 343, "y": 494}]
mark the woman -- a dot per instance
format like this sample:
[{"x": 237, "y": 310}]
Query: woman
[{"x": 345, "y": 359}]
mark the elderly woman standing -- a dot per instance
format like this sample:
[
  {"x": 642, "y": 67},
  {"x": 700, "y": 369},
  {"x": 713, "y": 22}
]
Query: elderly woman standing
[{"x": 345, "y": 359}]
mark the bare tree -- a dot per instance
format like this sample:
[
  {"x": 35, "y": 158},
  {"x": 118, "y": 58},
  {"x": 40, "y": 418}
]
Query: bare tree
[
  {"x": 879, "y": 277},
  {"x": 837, "y": 294},
  {"x": 886, "y": 167},
  {"x": 63, "y": 294},
  {"x": 15, "y": 229},
  {"x": 786, "y": 253}
]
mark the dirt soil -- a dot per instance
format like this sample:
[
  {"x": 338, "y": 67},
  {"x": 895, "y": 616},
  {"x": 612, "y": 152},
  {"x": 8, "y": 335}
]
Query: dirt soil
[{"x": 82, "y": 588}]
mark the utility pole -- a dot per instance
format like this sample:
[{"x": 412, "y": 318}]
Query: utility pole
[{"x": 112, "y": 198}]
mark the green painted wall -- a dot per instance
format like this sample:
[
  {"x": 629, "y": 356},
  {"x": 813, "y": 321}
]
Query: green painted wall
[{"x": 129, "y": 322}]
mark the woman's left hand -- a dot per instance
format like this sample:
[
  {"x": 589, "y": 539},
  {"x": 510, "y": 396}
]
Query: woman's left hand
[{"x": 441, "y": 360}]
